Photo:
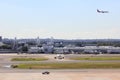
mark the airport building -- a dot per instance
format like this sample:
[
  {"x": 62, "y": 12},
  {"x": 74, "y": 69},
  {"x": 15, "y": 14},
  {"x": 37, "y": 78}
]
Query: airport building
[
  {"x": 76, "y": 50},
  {"x": 55, "y": 46}
]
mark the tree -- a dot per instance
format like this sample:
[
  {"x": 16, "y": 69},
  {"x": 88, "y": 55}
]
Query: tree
[{"x": 24, "y": 48}]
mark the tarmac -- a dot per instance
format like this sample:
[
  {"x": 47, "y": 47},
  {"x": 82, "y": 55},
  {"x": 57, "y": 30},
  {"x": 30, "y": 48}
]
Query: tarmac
[
  {"x": 62, "y": 76},
  {"x": 7, "y": 73}
]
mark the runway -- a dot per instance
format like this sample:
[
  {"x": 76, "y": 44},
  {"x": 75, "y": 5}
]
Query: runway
[
  {"x": 5, "y": 59},
  {"x": 103, "y": 75},
  {"x": 7, "y": 73}
]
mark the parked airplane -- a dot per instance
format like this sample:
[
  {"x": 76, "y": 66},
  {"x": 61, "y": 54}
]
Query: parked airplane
[{"x": 102, "y": 11}]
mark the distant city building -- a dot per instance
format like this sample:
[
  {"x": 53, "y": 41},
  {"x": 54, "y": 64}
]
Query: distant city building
[
  {"x": 51, "y": 45},
  {"x": 0, "y": 38},
  {"x": 15, "y": 44},
  {"x": 1, "y": 44},
  {"x": 37, "y": 41}
]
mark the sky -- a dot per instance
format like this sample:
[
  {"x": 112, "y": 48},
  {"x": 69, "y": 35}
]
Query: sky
[{"x": 61, "y": 19}]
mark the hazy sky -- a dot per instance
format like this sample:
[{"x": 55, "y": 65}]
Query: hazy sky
[{"x": 66, "y": 19}]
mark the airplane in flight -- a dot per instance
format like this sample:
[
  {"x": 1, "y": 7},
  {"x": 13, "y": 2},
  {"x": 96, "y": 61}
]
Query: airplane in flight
[{"x": 102, "y": 11}]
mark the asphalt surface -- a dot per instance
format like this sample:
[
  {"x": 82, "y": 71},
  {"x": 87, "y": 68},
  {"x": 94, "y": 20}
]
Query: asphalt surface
[
  {"x": 7, "y": 73},
  {"x": 5, "y": 62}
]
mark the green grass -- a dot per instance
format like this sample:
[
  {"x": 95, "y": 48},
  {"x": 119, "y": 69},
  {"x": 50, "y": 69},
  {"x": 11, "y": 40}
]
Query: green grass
[
  {"x": 95, "y": 58},
  {"x": 81, "y": 65},
  {"x": 29, "y": 59}
]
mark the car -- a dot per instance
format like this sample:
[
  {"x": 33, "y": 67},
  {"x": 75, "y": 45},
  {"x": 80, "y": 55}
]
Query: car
[{"x": 46, "y": 72}]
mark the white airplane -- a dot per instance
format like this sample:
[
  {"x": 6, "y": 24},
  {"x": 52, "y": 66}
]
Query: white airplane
[
  {"x": 102, "y": 11},
  {"x": 59, "y": 56}
]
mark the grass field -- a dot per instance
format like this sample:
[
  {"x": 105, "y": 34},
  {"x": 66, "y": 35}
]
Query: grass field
[
  {"x": 81, "y": 65},
  {"x": 94, "y": 58},
  {"x": 29, "y": 59}
]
